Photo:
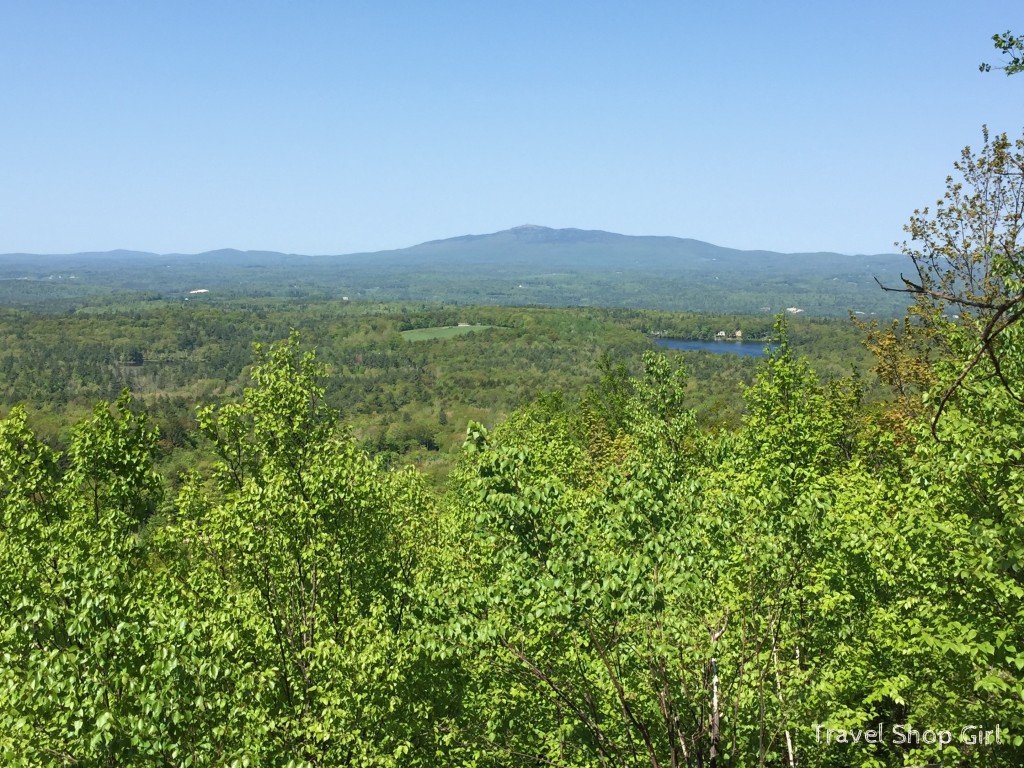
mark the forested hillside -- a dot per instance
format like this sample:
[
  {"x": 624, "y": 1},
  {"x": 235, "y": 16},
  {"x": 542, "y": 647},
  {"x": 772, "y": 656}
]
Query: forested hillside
[
  {"x": 404, "y": 390},
  {"x": 614, "y": 567}
]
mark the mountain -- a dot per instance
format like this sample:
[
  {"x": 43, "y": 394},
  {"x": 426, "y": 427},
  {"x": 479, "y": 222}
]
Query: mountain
[
  {"x": 528, "y": 264},
  {"x": 582, "y": 248}
]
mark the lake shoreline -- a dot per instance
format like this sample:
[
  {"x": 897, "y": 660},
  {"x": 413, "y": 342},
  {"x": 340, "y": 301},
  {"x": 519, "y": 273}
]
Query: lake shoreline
[{"x": 741, "y": 347}]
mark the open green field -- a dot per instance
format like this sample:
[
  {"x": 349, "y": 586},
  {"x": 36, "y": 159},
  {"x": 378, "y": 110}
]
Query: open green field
[{"x": 442, "y": 332}]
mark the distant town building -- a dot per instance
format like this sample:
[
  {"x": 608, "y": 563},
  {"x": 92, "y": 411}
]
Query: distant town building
[{"x": 794, "y": 310}]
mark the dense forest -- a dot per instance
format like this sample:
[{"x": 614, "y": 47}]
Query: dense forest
[
  {"x": 335, "y": 533},
  {"x": 404, "y": 390}
]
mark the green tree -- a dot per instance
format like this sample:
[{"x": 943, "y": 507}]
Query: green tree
[
  {"x": 969, "y": 286},
  {"x": 74, "y": 616},
  {"x": 654, "y": 611},
  {"x": 312, "y": 552},
  {"x": 1009, "y": 45}
]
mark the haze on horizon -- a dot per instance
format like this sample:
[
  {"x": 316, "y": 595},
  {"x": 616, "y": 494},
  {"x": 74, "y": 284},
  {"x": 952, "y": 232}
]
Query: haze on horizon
[{"x": 341, "y": 128}]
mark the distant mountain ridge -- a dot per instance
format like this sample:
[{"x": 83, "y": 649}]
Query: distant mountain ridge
[
  {"x": 534, "y": 234},
  {"x": 524, "y": 234},
  {"x": 528, "y": 264}
]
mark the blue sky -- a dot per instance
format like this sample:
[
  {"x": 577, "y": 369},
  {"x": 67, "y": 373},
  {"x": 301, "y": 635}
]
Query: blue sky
[{"x": 333, "y": 127}]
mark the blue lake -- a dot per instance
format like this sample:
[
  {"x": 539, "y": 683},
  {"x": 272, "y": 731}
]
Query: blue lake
[{"x": 726, "y": 347}]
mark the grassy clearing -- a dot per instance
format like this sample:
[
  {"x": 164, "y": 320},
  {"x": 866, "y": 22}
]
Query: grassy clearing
[{"x": 441, "y": 332}]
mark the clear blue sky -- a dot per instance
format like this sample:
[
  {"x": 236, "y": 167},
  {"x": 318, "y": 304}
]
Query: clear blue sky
[{"x": 332, "y": 127}]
